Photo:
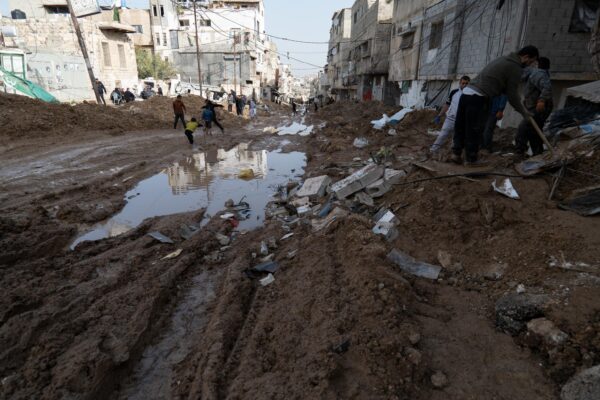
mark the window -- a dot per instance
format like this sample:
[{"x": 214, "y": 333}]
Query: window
[
  {"x": 164, "y": 36},
  {"x": 435, "y": 38},
  {"x": 138, "y": 28},
  {"x": 158, "y": 39},
  {"x": 174, "y": 39},
  {"x": 162, "y": 11},
  {"x": 106, "y": 54},
  {"x": 122, "y": 60},
  {"x": 405, "y": 86},
  {"x": 184, "y": 22},
  {"x": 204, "y": 22},
  {"x": 408, "y": 40},
  {"x": 18, "y": 14},
  {"x": 355, "y": 17},
  {"x": 154, "y": 12},
  {"x": 57, "y": 9},
  {"x": 584, "y": 16}
]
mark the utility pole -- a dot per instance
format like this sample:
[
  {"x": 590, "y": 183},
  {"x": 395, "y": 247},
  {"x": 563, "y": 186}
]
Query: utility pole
[
  {"x": 84, "y": 51},
  {"x": 241, "y": 54},
  {"x": 198, "y": 49},
  {"x": 234, "y": 66}
]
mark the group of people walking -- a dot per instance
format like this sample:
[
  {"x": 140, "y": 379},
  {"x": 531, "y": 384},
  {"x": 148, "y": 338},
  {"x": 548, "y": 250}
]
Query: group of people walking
[
  {"x": 240, "y": 103},
  {"x": 473, "y": 109}
]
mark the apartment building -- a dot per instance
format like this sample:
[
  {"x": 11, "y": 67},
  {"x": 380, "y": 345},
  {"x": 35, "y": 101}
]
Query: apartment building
[{"x": 338, "y": 55}]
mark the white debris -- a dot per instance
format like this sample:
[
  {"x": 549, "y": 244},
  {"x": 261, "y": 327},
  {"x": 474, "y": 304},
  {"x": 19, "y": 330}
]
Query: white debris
[{"x": 506, "y": 188}]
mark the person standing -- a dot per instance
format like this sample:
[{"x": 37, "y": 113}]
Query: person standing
[
  {"x": 159, "y": 90},
  {"x": 293, "y": 107},
  {"x": 230, "y": 102},
  {"x": 496, "y": 114},
  {"x": 179, "y": 110},
  {"x": 538, "y": 101},
  {"x": 212, "y": 107},
  {"x": 207, "y": 117},
  {"x": 101, "y": 90},
  {"x": 449, "y": 109},
  {"x": 252, "y": 109},
  {"x": 501, "y": 76}
]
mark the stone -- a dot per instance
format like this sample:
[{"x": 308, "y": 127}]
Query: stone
[
  {"x": 513, "y": 310},
  {"x": 314, "y": 187},
  {"x": 357, "y": 181},
  {"x": 223, "y": 239},
  {"x": 439, "y": 380},
  {"x": 494, "y": 272},
  {"x": 229, "y": 203},
  {"x": 544, "y": 330},
  {"x": 300, "y": 202},
  {"x": 363, "y": 198},
  {"x": 445, "y": 259},
  {"x": 583, "y": 386},
  {"x": 383, "y": 185},
  {"x": 385, "y": 215},
  {"x": 412, "y": 266},
  {"x": 386, "y": 229}
]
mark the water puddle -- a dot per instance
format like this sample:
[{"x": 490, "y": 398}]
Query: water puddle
[
  {"x": 295, "y": 128},
  {"x": 153, "y": 374},
  {"x": 205, "y": 180}
]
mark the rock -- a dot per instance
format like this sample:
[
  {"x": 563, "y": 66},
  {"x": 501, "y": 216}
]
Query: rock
[
  {"x": 413, "y": 355},
  {"x": 223, "y": 240},
  {"x": 545, "y": 331},
  {"x": 583, "y": 386},
  {"x": 264, "y": 249},
  {"x": 383, "y": 185},
  {"x": 314, "y": 187},
  {"x": 229, "y": 203},
  {"x": 439, "y": 380},
  {"x": 363, "y": 198},
  {"x": 357, "y": 181},
  {"x": 414, "y": 338},
  {"x": 445, "y": 259},
  {"x": 513, "y": 310},
  {"x": 409, "y": 265},
  {"x": 494, "y": 272},
  {"x": 520, "y": 288},
  {"x": 272, "y": 243}
]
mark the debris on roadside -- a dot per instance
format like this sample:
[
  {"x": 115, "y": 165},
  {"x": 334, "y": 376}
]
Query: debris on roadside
[
  {"x": 410, "y": 265},
  {"x": 360, "y": 142},
  {"x": 160, "y": 237},
  {"x": 357, "y": 181},
  {"x": 506, "y": 188},
  {"x": 314, "y": 187},
  {"x": 585, "y": 202},
  {"x": 174, "y": 254},
  {"x": 267, "y": 280}
]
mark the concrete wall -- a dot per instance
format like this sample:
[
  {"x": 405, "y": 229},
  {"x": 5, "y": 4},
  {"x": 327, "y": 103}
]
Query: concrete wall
[
  {"x": 55, "y": 62},
  {"x": 141, "y": 18},
  {"x": 339, "y": 47}
]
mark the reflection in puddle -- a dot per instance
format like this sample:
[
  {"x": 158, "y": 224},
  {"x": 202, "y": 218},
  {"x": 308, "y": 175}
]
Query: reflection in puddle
[
  {"x": 205, "y": 179},
  {"x": 295, "y": 128}
]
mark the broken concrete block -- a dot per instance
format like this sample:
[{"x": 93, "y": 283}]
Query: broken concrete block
[
  {"x": 383, "y": 185},
  {"x": 302, "y": 201},
  {"x": 357, "y": 181},
  {"x": 412, "y": 266},
  {"x": 364, "y": 198},
  {"x": 223, "y": 239},
  {"x": 544, "y": 330},
  {"x": 583, "y": 386},
  {"x": 385, "y": 215},
  {"x": 513, "y": 310},
  {"x": 387, "y": 229},
  {"x": 314, "y": 187}
]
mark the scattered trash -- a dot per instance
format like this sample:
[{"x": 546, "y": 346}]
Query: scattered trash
[
  {"x": 585, "y": 202},
  {"x": 342, "y": 347},
  {"x": 264, "y": 249},
  {"x": 386, "y": 229},
  {"x": 289, "y": 235},
  {"x": 520, "y": 288},
  {"x": 392, "y": 132},
  {"x": 412, "y": 266},
  {"x": 326, "y": 209},
  {"x": 319, "y": 224},
  {"x": 399, "y": 116},
  {"x": 246, "y": 173},
  {"x": 303, "y": 210},
  {"x": 160, "y": 237},
  {"x": 267, "y": 280},
  {"x": 314, "y": 187},
  {"x": 380, "y": 123},
  {"x": 385, "y": 215},
  {"x": 357, "y": 181},
  {"x": 291, "y": 254},
  {"x": 268, "y": 258},
  {"x": 506, "y": 188},
  {"x": 227, "y": 216},
  {"x": 174, "y": 254},
  {"x": 360, "y": 142}
]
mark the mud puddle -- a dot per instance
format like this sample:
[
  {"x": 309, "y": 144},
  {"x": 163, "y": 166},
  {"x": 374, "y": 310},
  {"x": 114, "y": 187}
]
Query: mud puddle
[
  {"x": 205, "y": 180},
  {"x": 152, "y": 376}
]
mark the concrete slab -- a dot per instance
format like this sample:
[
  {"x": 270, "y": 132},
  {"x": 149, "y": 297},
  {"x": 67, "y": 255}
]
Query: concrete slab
[
  {"x": 357, "y": 181},
  {"x": 314, "y": 187}
]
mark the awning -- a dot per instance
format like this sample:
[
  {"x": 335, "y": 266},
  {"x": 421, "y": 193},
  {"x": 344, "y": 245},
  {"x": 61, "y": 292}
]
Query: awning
[{"x": 116, "y": 26}]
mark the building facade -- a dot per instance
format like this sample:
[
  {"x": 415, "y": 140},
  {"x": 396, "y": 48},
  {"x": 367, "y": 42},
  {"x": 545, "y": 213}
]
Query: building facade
[{"x": 338, "y": 55}]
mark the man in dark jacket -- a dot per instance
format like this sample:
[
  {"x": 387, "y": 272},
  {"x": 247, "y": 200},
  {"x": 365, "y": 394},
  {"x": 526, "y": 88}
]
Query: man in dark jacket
[
  {"x": 501, "y": 76},
  {"x": 538, "y": 101},
  {"x": 101, "y": 90}
]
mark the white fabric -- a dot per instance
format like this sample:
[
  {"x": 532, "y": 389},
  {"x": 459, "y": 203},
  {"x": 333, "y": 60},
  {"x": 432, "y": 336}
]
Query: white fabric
[
  {"x": 453, "y": 109},
  {"x": 471, "y": 91}
]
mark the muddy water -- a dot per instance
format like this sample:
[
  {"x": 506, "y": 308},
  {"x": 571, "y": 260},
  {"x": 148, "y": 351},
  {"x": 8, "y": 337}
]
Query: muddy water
[
  {"x": 205, "y": 180},
  {"x": 152, "y": 376},
  {"x": 295, "y": 128}
]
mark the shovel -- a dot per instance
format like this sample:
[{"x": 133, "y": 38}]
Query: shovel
[{"x": 541, "y": 135}]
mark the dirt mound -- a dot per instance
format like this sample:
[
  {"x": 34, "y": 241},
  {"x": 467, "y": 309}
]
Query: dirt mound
[{"x": 23, "y": 116}]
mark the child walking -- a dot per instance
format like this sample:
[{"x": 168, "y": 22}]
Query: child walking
[
  {"x": 190, "y": 127},
  {"x": 207, "y": 117}
]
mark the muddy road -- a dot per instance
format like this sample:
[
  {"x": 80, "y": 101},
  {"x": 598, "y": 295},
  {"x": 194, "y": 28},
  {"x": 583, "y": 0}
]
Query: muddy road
[{"x": 93, "y": 307}]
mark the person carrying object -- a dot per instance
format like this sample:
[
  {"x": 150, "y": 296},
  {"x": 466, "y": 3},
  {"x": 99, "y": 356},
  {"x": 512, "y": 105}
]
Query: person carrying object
[
  {"x": 501, "y": 76},
  {"x": 449, "y": 109}
]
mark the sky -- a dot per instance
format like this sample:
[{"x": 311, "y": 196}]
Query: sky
[{"x": 306, "y": 20}]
